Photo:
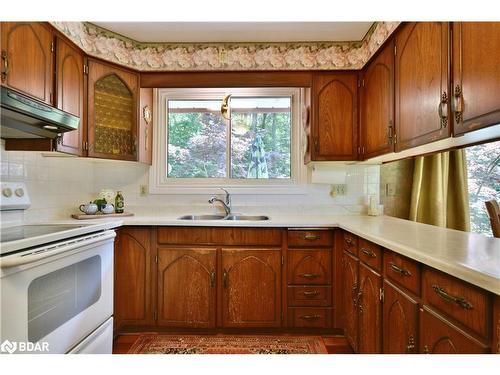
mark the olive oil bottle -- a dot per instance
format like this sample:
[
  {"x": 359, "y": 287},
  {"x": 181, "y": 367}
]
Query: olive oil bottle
[{"x": 119, "y": 203}]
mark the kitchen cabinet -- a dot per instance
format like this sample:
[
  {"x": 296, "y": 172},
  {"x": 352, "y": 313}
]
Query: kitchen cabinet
[
  {"x": 350, "y": 298},
  {"x": 134, "y": 277},
  {"x": 27, "y": 59},
  {"x": 70, "y": 94},
  {"x": 400, "y": 321},
  {"x": 377, "y": 105},
  {"x": 421, "y": 84},
  {"x": 334, "y": 121},
  {"x": 251, "y": 287},
  {"x": 309, "y": 267},
  {"x": 113, "y": 95},
  {"x": 145, "y": 151},
  {"x": 187, "y": 287},
  {"x": 476, "y": 75},
  {"x": 369, "y": 310}
]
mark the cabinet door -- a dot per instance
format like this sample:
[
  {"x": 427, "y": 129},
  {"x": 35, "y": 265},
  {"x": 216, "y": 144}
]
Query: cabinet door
[
  {"x": 133, "y": 302},
  {"x": 334, "y": 120},
  {"x": 437, "y": 336},
  {"x": 146, "y": 126},
  {"x": 112, "y": 112},
  {"x": 370, "y": 310},
  {"x": 251, "y": 292},
  {"x": 27, "y": 54},
  {"x": 421, "y": 80},
  {"x": 476, "y": 75},
  {"x": 350, "y": 299},
  {"x": 186, "y": 287},
  {"x": 377, "y": 105},
  {"x": 69, "y": 98},
  {"x": 308, "y": 267},
  {"x": 400, "y": 321}
]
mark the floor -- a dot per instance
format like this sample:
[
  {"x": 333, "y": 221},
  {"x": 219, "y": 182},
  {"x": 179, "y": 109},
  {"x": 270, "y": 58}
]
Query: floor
[{"x": 334, "y": 344}]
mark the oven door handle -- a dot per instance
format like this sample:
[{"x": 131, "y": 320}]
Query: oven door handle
[{"x": 43, "y": 252}]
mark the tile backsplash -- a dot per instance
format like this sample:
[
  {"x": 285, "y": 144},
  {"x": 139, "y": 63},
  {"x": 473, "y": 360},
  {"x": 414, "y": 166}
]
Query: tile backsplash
[{"x": 57, "y": 185}]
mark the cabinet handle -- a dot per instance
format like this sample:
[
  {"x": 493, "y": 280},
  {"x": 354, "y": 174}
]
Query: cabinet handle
[
  {"x": 410, "y": 348},
  {"x": 5, "y": 71},
  {"x": 310, "y": 317},
  {"x": 348, "y": 241},
  {"x": 460, "y": 301},
  {"x": 354, "y": 289},
  {"x": 443, "y": 114},
  {"x": 316, "y": 144},
  {"x": 389, "y": 131},
  {"x": 401, "y": 271},
  {"x": 308, "y": 293},
  {"x": 311, "y": 237},
  {"x": 309, "y": 276},
  {"x": 369, "y": 253},
  {"x": 224, "y": 279},
  {"x": 212, "y": 279},
  {"x": 458, "y": 104},
  {"x": 359, "y": 299}
]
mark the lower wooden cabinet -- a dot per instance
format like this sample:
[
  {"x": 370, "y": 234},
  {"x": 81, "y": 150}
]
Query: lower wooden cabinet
[
  {"x": 349, "y": 298},
  {"x": 400, "y": 321},
  {"x": 438, "y": 336},
  {"x": 251, "y": 287},
  {"x": 369, "y": 310},
  {"x": 187, "y": 287}
]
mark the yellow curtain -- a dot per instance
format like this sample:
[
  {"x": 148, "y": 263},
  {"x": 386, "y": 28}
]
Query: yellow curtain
[{"x": 439, "y": 193}]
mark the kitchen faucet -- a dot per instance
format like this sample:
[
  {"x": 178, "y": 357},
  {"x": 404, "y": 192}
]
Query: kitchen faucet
[{"x": 226, "y": 205}]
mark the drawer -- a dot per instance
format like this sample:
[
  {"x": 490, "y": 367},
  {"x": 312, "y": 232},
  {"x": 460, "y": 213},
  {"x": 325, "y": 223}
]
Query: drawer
[
  {"x": 403, "y": 271},
  {"x": 309, "y": 267},
  {"x": 308, "y": 238},
  {"x": 467, "y": 304},
  {"x": 350, "y": 243},
  {"x": 370, "y": 254},
  {"x": 309, "y": 295},
  {"x": 309, "y": 317}
]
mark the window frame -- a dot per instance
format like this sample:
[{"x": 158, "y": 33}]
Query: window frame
[{"x": 160, "y": 183}]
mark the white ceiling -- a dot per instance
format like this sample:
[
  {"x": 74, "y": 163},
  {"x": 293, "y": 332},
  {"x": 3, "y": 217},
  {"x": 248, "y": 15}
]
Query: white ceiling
[{"x": 213, "y": 32}]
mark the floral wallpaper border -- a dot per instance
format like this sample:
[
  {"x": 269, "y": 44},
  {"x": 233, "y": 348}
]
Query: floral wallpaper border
[{"x": 109, "y": 46}]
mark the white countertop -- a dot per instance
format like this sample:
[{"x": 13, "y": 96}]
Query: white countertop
[{"x": 471, "y": 257}]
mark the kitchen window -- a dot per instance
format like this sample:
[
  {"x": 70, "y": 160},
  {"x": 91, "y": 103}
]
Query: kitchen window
[{"x": 244, "y": 138}]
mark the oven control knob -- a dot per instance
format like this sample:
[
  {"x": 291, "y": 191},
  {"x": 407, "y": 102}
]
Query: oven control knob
[
  {"x": 19, "y": 192},
  {"x": 7, "y": 192}
]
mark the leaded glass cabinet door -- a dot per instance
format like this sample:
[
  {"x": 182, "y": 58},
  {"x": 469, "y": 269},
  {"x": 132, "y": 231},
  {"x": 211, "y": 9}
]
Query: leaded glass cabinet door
[{"x": 112, "y": 112}]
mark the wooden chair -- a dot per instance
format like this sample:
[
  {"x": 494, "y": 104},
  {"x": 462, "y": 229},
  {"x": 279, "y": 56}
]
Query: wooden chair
[{"x": 494, "y": 213}]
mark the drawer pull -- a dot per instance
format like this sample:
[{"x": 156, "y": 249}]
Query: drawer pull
[
  {"x": 369, "y": 253},
  {"x": 309, "y": 276},
  {"x": 311, "y": 237},
  {"x": 310, "y": 317},
  {"x": 348, "y": 241},
  {"x": 309, "y": 293},
  {"x": 460, "y": 301},
  {"x": 401, "y": 271}
]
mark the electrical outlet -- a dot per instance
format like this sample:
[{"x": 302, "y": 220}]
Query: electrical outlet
[
  {"x": 390, "y": 190},
  {"x": 337, "y": 189},
  {"x": 143, "y": 190}
]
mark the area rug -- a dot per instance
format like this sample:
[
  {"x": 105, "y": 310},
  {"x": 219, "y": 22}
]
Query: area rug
[{"x": 227, "y": 344}]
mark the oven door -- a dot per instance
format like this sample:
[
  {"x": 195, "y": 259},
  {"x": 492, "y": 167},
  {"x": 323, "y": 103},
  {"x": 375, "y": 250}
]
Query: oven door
[{"x": 57, "y": 299}]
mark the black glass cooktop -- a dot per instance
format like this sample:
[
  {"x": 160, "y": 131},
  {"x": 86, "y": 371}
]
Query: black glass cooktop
[{"x": 22, "y": 232}]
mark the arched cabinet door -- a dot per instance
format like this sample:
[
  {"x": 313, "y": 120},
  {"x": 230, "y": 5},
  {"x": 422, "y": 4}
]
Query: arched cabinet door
[
  {"x": 27, "y": 59},
  {"x": 308, "y": 267},
  {"x": 112, "y": 112},
  {"x": 349, "y": 298},
  {"x": 334, "y": 117},
  {"x": 369, "y": 310},
  {"x": 187, "y": 287},
  {"x": 251, "y": 287}
]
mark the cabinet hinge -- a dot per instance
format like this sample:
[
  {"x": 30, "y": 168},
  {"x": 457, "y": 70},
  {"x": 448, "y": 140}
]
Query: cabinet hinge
[
  {"x": 156, "y": 258},
  {"x": 381, "y": 294},
  {"x": 282, "y": 260},
  {"x": 395, "y": 139},
  {"x": 85, "y": 146},
  {"x": 85, "y": 69},
  {"x": 359, "y": 83},
  {"x": 395, "y": 50},
  {"x": 363, "y": 82},
  {"x": 51, "y": 46}
]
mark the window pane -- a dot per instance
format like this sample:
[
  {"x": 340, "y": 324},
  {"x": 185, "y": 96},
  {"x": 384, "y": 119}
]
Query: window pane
[
  {"x": 196, "y": 139},
  {"x": 260, "y": 137},
  {"x": 483, "y": 168}
]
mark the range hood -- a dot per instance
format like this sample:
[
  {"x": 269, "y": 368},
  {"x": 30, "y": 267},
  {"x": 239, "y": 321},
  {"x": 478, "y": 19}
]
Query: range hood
[{"x": 24, "y": 117}]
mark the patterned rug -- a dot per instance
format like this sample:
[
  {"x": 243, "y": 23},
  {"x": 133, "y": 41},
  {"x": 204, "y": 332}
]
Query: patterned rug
[{"x": 227, "y": 344}]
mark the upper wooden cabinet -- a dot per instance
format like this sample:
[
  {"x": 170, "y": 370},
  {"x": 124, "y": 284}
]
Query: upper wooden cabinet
[
  {"x": 377, "y": 105},
  {"x": 112, "y": 111},
  {"x": 334, "y": 121},
  {"x": 476, "y": 75},
  {"x": 27, "y": 59},
  {"x": 421, "y": 84},
  {"x": 70, "y": 93}
]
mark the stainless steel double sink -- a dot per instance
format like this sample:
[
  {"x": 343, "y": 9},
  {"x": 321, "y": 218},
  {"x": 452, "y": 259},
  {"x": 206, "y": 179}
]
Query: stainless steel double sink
[{"x": 233, "y": 217}]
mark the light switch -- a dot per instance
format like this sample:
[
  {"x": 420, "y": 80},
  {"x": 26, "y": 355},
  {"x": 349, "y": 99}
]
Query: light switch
[{"x": 390, "y": 190}]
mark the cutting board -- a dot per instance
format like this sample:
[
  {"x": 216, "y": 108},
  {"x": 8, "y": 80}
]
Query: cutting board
[{"x": 99, "y": 216}]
